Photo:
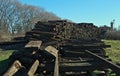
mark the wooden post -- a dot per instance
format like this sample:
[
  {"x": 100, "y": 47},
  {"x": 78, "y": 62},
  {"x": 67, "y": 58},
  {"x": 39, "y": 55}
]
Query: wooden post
[
  {"x": 33, "y": 68},
  {"x": 13, "y": 69},
  {"x": 56, "y": 68},
  {"x": 54, "y": 52}
]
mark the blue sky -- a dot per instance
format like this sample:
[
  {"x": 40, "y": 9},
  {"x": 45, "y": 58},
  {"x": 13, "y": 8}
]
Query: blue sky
[{"x": 99, "y": 12}]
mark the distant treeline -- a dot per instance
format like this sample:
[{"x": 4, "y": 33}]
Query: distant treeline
[{"x": 18, "y": 18}]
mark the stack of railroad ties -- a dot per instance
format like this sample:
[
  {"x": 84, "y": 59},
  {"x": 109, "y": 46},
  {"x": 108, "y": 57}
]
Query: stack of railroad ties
[
  {"x": 60, "y": 48},
  {"x": 61, "y": 29}
]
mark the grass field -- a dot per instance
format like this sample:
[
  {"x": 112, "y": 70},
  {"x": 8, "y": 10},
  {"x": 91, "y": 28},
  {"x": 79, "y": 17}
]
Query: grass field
[{"x": 114, "y": 51}]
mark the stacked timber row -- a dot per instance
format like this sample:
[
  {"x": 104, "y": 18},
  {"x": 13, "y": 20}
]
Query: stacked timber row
[
  {"x": 70, "y": 58},
  {"x": 61, "y": 29},
  {"x": 86, "y": 31}
]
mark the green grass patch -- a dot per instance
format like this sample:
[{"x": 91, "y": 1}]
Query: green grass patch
[
  {"x": 5, "y": 54},
  {"x": 4, "y": 62},
  {"x": 114, "y": 51}
]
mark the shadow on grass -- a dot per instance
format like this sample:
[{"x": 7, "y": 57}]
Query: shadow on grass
[
  {"x": 13, "y": 46},
  {"x": 4, "y": 65}
]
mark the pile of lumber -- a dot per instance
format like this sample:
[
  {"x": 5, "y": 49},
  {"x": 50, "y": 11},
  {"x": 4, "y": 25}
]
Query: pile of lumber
[
  {"x": 57, "y": 58},
  {"x": 61, "y": 29},
  {"x": 33, "y": 60}
]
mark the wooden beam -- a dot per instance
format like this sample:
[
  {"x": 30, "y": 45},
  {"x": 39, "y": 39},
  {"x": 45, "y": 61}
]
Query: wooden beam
[
  {"x": 54, "y": 52},
  {"x": 77, "y": 67},
  {"x": 34, "y": 44},
  {"x": 80, "y": 53},
  {"x": 41, "y": 32},
  {"x": 33, "y": 69},
  {"x": 13, "y": 69},
  {"x": 85, "y": 46},
  {"x": 109, "y": 64},
  {"x": 56, "y": 68}
]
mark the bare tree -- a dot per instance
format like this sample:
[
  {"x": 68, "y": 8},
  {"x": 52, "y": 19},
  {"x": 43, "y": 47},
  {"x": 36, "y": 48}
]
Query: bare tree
[{"x": 16, "y": 17}]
